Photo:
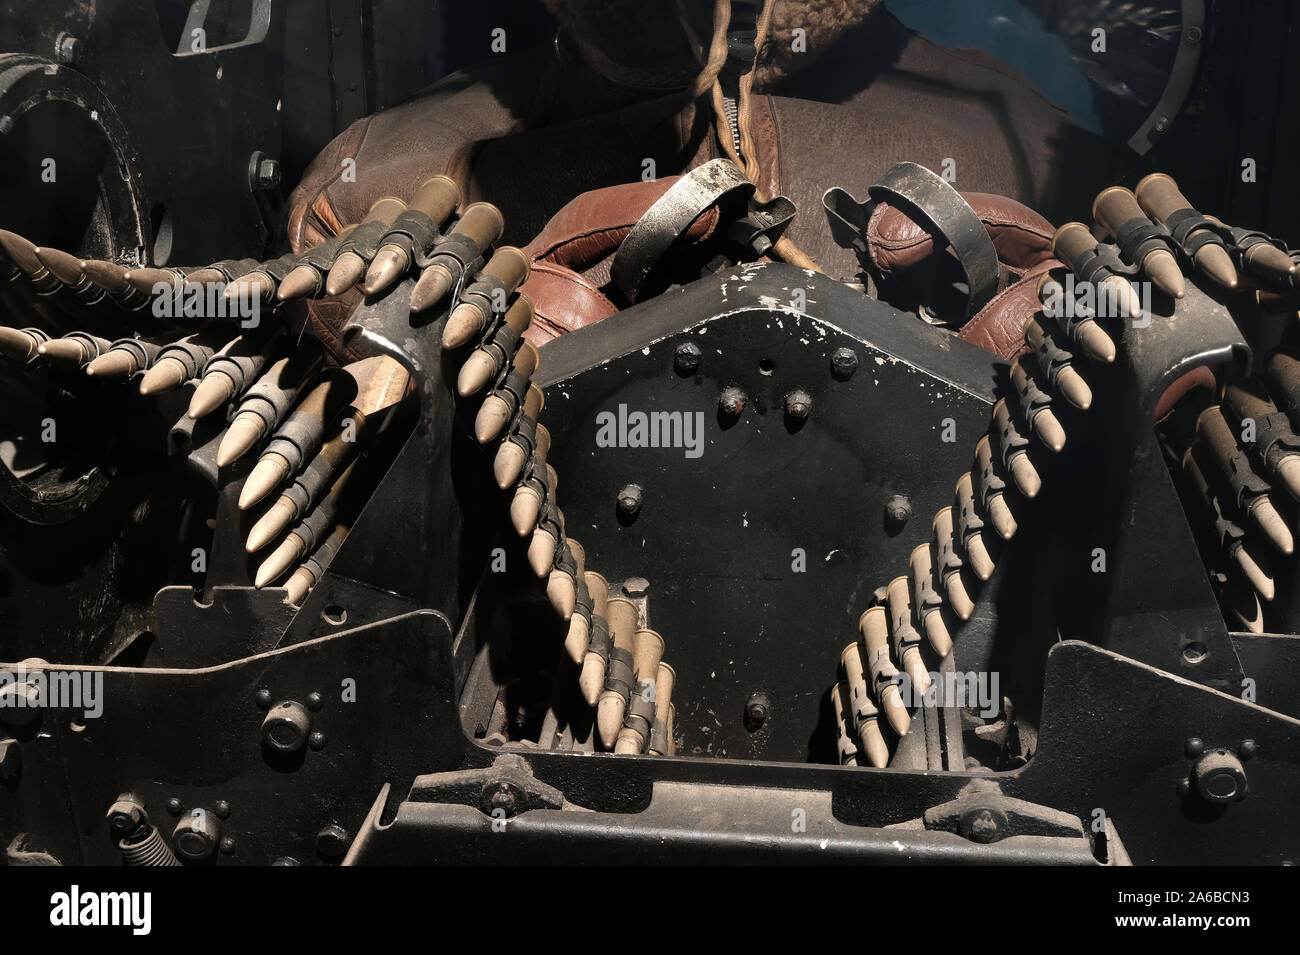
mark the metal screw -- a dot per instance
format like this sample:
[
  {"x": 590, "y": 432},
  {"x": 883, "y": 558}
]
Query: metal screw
[
  {"x": 1162, "y": 125},
  {"x": 630, "y": 499},
  {"x": 732, "y": 401},
  {"x": 898, "y": 510},
  {"x": 687, "y": 358},
  {"x": 1193, "y": 35},
  {"x": 798, "y": 404},
  {"x": 844, "y": 362},
  {"x": 757, "y": 708}
]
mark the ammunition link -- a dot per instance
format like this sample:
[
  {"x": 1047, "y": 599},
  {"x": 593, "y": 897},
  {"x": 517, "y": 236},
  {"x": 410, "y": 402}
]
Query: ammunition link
[
  {"x": 412, "y": 232},
  {"x": 618, "y": 675},
  {"x": 1140, "y": 236},
  {"x": 322, "y": 255},
  {"x": 363, "y": 240},
  {"x": 1182, "y": 223},
  {"x": 601, "y": 643},
  {"x": 1098, "y": 264},
  {"x": 968, "y": 519},
  {"x": 1274, "y": 440},
  {"x": 458, "y": 246}
]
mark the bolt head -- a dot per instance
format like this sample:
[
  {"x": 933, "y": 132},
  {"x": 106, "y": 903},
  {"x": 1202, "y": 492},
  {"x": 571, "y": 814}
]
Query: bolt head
[
  {"x": 222, "y": 809},
  {"x": 262, "y": 697},
  {"x": 798, "y": 404},
  {"x": 898, "y": 510},
  {"x": 630, "y": 499},
  {"x": 174, "y": 806},
  {"x": 731, "y": 402},
  {"x": 195, "y": 836},
  {"x": 286, "y": 727},
  {"x": 757, "y": 709},
  {"x": 227, "y": 846},
  {"x": 687, "y": 358},
  {"x": 1219, "y": 777},
  {"x": 844, "y": 362},
  {"x": 1247, "y": 748},
  {"x": 1193, "y": 747}
]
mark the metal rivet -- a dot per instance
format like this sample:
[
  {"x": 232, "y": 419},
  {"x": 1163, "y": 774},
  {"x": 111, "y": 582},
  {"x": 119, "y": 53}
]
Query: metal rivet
[
  {"x": 1193, "y": 747},
  {"x": 844, "y": 362},
  {"x": 757, "y": 709}
]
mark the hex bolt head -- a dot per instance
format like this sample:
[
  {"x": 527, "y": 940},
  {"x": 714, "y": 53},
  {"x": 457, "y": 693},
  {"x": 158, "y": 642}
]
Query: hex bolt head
[
  {"x": 286, "y": 727},
  {"x": 635, "y": 587},
  {"x": 125, "y": 815},
  {"x": 757, "y": 709},
  {"x": 798, "y": 404},
  {"x": 687, "y": 358},
  {"x": 898, "y": 510},
  {"x": 844, "y": 362},
  {"x": 1219, "y": 777},
  {"x": 731, "y": 402},
  {"x": 630, "y": 499}
]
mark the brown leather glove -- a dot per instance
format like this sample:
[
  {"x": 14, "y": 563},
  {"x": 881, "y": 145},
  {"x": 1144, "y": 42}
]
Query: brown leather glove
[{"x": 1023, "y": 240}]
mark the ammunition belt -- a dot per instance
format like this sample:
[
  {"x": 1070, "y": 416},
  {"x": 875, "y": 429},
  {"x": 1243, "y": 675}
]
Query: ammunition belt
[
  {"x": 457, "y": 245},
  {"x": 639, "y": 708},
  {"x": 322, "y": 255},
  {"x": 1098, "y": 264},
  {"x": 364, "y": 240},
  {"x": 618, "y": 676},
  {"x": 412, "y": 230},
  {"x": 600, "y": 644},
  {"x": 1140, "y": 236},
  {"x": 1183, "y": 222},
  {"x": 1274, "y": 439}
]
